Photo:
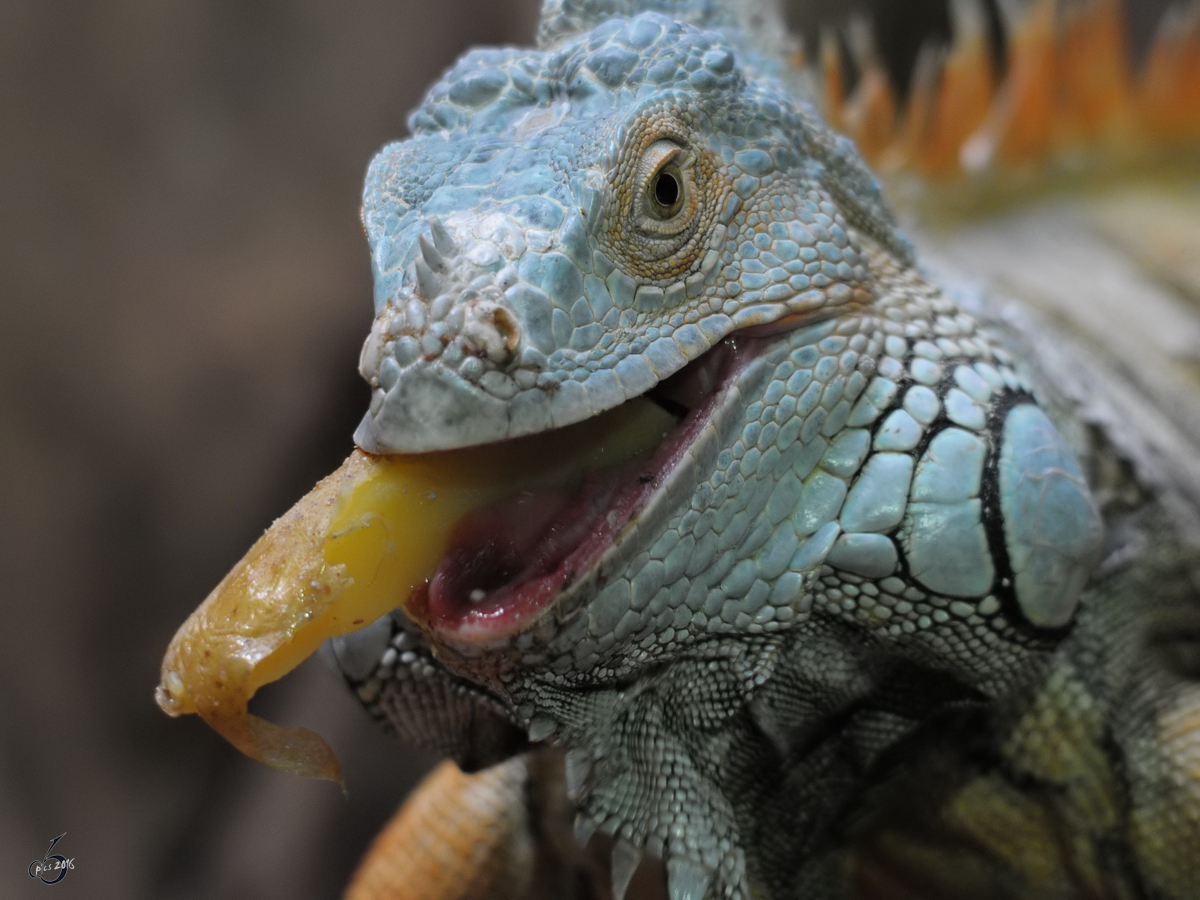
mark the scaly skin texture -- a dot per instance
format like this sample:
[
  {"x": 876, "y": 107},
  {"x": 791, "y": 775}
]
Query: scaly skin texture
[{"x": 852, "y": 635}]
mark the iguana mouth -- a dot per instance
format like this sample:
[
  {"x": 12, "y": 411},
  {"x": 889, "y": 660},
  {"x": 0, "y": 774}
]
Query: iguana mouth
[
  {"x": 510, "y": 559},
  {"x": 475, "y": 545}
]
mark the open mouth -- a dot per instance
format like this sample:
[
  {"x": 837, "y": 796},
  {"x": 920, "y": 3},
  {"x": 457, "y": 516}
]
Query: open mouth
[
  {"x": 474, "y": 545},
  {"x": 509, "y": 559}
]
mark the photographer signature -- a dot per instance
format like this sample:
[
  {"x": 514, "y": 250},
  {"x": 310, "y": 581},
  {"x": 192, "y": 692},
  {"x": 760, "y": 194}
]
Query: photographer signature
[{"x": 56, "y": 865}]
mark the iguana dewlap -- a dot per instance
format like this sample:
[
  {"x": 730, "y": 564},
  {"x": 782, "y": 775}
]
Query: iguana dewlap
[{"x": 674, "y": 459}]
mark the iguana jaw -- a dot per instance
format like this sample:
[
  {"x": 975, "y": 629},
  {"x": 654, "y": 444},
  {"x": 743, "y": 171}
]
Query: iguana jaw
[{"x": 511, "y": 561}]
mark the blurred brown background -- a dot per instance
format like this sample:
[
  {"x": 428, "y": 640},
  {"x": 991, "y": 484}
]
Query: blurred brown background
[{"x": 183, "y": 289}]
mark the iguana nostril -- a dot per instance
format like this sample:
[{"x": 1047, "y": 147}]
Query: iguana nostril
[{"x": 490, "y": 330}]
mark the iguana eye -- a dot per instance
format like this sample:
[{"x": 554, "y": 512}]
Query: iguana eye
[
  {"x": 662, "y": 193},
  {"x": 666, "y": 192},
  {"x": 664, "y": 175}
]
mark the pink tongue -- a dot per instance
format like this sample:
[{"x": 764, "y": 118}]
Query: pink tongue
[{"x": 505, "y": 556}]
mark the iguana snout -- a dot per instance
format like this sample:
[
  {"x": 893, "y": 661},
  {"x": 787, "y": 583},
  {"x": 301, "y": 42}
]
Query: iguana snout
[{"x": 455, "y": 335}]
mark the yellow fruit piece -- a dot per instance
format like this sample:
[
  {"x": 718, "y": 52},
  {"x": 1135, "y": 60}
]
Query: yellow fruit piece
[{"x": 351, "y": 551}]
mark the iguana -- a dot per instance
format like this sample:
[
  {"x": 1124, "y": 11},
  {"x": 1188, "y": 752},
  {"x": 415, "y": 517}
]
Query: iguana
[{"x": 879, "y": 601}]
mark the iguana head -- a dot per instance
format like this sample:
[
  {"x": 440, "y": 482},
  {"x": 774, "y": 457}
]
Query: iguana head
[
  {"x": 631, "y": 212},
  {"x": 568, "y": 227}
]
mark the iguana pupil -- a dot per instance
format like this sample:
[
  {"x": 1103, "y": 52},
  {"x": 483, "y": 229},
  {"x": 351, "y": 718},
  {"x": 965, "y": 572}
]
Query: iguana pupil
[{"x": 666, "y": 192}]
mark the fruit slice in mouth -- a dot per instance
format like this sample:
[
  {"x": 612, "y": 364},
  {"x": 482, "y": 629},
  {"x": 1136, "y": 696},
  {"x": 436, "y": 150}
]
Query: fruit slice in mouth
[{"x": 362, "y": 542}]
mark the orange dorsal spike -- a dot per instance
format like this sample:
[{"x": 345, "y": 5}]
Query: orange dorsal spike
[
  {"x": 964, "y": 93},
  {"x": 1093, "y": 94},
  {"x": 1020, "y": 125},
  {"x": 833, "y": 84},
  {"x": 916, "y": 120},
  {"x": 870, "y": 113},
  {"x": 1068, "y": 96},
  {"x": 1169, "y": 93}
]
